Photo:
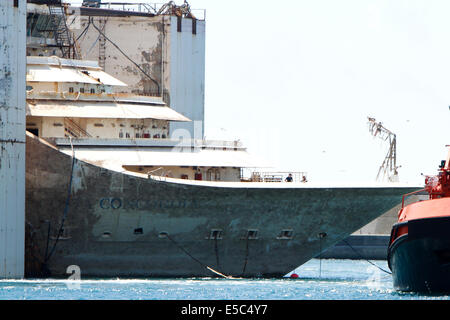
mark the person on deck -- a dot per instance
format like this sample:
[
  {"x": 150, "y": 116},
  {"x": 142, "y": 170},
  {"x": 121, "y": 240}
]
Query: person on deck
[{"x": 289, "y": 178}]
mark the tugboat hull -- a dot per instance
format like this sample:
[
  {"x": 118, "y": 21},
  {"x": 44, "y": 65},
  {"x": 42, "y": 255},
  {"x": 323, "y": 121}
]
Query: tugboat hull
[{"x": 420, "y": 258}]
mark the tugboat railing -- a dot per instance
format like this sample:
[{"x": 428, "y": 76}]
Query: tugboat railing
[{"x": 410, "y": 194}]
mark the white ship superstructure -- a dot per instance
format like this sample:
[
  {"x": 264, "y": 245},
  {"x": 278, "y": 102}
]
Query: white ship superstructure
[{"x": 78, "y": 107}]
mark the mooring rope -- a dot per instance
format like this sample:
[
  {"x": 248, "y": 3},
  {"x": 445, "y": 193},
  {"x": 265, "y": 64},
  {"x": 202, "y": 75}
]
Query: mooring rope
[
  {"x": 196, "y": 260},
  {"x": 66, "y": 207},
  {"x": 365, "y": 258}
]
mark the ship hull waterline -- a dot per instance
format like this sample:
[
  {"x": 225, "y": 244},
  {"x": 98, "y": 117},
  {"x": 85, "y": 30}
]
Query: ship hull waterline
[
  {"x": 420, "y": 258},
  {"x": 113, "y": 224}
]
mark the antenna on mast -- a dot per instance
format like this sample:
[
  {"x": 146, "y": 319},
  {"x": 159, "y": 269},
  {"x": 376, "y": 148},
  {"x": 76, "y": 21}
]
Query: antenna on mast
[{"x": 388, "y": 169}]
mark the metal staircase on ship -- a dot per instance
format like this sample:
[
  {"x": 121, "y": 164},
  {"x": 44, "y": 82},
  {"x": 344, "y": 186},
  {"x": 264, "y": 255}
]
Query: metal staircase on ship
[{"x": 64, "y": 38}]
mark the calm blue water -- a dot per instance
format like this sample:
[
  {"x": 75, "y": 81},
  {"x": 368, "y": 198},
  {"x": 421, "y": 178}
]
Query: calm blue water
[{"x": 318, "y": 280}]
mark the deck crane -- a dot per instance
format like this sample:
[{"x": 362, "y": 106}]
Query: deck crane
[{"x": 388, "y": 170}]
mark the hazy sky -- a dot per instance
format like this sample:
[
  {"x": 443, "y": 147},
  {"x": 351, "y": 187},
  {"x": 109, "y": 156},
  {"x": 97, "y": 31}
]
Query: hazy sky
[{"x": 295, "y": 81}]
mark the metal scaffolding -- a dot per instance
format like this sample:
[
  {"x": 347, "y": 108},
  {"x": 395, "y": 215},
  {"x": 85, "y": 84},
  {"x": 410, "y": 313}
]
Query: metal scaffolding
[{"x": 388, "y": 169}]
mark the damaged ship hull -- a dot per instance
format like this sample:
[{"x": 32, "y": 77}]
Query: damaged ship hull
[{"x": 112, "y": 224}]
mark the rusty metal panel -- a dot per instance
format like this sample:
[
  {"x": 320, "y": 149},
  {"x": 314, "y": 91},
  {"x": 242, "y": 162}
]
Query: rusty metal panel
[
  {"x": 175, "y": 60},
  {"x": 12, "y": 137},
  {"x": 140, "y": 42}
]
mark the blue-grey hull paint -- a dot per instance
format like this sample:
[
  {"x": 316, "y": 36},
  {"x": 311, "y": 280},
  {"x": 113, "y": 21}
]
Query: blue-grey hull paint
[{"x": 116, "y": 223}]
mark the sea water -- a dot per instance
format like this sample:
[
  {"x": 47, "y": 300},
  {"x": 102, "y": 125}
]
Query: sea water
[{"x": 317, "y": 280}]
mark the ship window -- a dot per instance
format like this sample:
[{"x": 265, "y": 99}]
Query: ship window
[
  {"x": 215, "y": 234},
  {"x": 286, "y": 234},
  {"x": 163, "y": 234},
  {"x": 252, "y": 234},
  {"x": 106, "y": 234},
  {"x": 92, "y": 90},
  {"x": 29, "y": 88},
  {"x": 71, "y": 89},
  {"x": 138, "y": 231},
  {"x": 98, "y": 124},
  {"x": 81, "y": 90}
]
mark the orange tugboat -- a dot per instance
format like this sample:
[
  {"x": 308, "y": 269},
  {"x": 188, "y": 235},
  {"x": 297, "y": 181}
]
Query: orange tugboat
[{"x": 419, "y": 247}]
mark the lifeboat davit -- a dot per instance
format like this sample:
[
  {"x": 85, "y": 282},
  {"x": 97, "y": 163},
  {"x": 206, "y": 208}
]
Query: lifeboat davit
[{"x": 419, "y": 247}]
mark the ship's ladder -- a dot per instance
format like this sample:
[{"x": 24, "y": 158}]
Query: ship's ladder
[
  {"x": 73, "y": 129},
  {"x": 61, "y": 33}
]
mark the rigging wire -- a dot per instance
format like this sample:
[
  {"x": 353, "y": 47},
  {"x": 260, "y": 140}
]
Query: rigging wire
[
  {"x": 96, "y": 40},
  {"x": 84, "y": 30}
]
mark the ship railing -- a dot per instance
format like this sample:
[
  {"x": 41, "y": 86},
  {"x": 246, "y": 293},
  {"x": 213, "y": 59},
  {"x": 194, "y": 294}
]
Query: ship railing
[
  {"x": 410, "y": 194},
  {"x": 261, "y": 176},
  {"x": 225, "y": 144},
  {"x": 162, "y": 177},
  {"x": 150, "y": 8},
  {"x": 87, "y": 140}
]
